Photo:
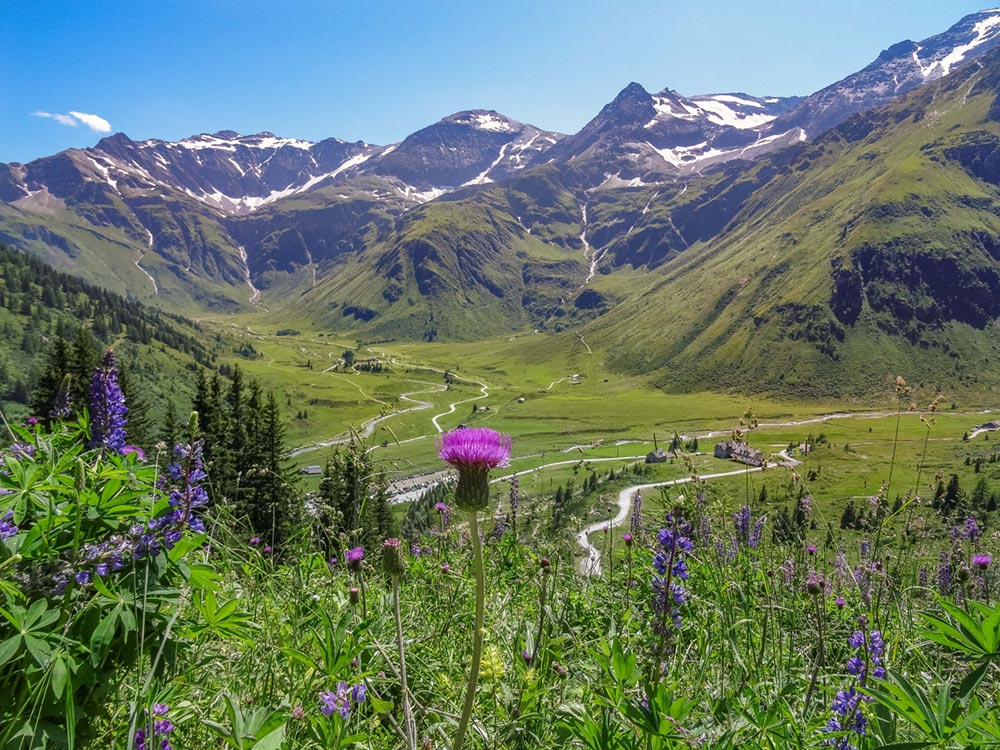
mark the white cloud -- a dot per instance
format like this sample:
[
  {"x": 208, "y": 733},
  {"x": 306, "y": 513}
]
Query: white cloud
[
  {"x": 62, "y": 119},
  {"x": 95, "y": 122}
]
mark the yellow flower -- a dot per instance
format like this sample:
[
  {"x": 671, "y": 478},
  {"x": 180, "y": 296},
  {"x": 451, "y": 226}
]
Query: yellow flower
[{"x": 491, "y": 667}]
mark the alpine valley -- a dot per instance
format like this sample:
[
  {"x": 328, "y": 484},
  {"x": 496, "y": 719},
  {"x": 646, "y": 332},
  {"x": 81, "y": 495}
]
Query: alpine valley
[{"x": 801, "y": 245}]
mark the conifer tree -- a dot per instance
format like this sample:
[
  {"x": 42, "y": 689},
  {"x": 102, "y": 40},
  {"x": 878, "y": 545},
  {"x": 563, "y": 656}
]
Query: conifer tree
[
  {"x": 57, "y": 365},
  {"x": 83, "y": 359},
  {"x": 139, "y": 423}
]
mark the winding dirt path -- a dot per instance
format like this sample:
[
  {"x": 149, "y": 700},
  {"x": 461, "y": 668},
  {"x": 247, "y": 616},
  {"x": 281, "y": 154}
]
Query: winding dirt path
[
  {"x": 368, "y": 427},
  {"x": 590, "y": 565}
]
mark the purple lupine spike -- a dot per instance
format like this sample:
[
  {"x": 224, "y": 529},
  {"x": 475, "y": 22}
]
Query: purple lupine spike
[
  {"x": 635, "y": 522},
  {"x": 7, "y": 527},
  {"x": 972, "y": 529},
  {"x": 62, "y": 407},
  {"x": 671, "y": 570},
  {"x": 944, "y": 574},
  {"x": 107, "y": 407},
  {"x": 741, "y": 520},
  {"x": 515, "y": 501}
]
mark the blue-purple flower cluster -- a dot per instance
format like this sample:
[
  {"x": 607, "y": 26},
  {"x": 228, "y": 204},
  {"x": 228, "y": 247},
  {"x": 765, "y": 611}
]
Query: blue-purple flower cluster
[
  {"x": 147, "y": 540},
  {"x": 159, "y": 734},
  {"x": 107, "y": 407},
  {"x": 341, "y": 700},
  {"x": 635, "y": 522},
  {"x": 748, "y": 534},
  {"x": 187, "y": 493},
  {"x": 671, "y": 568},
  {"x": 7, "y": 527},
  {"x": 866, "y": 662}
]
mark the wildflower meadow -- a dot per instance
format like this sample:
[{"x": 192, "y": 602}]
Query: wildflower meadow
[{"x": 140, "y": 611}]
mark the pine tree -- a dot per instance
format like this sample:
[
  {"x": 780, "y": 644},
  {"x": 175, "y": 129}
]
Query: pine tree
[
  {"x": 139, "y": 426},
  {"x": 83, "y": 359},
  {"x": 171, "y": 433},
  {"x": 980, "y": 495},
  {"x": 57, "y": 365}
]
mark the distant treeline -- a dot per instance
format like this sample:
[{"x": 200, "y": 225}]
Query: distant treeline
[{"x": 39, "y": 305}]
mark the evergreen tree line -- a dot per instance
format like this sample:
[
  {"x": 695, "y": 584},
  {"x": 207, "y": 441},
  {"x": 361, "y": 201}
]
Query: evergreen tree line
[
  {"x": 352, "y": 504},
  {"x": 244, "y": 439},
  {"x": 69, "y": 365},
  {"x": 39, "y": 305}
]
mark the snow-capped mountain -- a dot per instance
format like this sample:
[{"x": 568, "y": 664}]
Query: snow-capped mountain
[
  {"x": 642, "y": 138},
  {"x": 898, "y": 69},
  {"x": 201, "y": 215},
  {"x": 467, "y": 148},
  {"x": 238, "y": 174},
  {"x": 227, "y": 171}
]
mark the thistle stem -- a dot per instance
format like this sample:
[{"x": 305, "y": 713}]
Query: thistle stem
[
  {"x": 408, "y": 724},
  {"x": 477, "y": 639}
]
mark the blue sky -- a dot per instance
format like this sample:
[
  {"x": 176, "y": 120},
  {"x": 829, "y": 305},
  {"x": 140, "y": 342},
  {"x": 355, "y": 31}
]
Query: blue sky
[{"x": 377, "y": 71}]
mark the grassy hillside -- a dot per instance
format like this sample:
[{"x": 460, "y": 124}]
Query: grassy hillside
[
  {"x": 871, "y": 252},
  {"x": 39, "y": 304}
]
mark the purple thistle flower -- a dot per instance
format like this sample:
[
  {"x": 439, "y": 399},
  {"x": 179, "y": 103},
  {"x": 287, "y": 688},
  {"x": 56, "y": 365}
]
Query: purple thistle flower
[
  {"x": 474, "y": 447},
  {"x": 353, "y": 558},
  {"x": 982, "y": 561},
  {"x": 474, "y": 451},
  {"x": 140, "y": 454},
  {"x": 107, "y": 407}
]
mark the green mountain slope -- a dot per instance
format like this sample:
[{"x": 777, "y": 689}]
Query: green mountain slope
[
  {"x": 39, "y": 304},
  {"x": 485, "y": 262},
  {"x": 874, "y": 251}
]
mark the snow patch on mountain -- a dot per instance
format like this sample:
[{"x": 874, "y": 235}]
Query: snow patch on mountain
[
  {"x": 206, "y": 141},
  {"x": 682, "y": 156},
  {"x": 958, "y": 54},
  {"x": 719, "y": 112}
]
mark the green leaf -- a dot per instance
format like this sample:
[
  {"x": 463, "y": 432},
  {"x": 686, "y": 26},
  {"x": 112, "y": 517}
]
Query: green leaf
[
  {"x": 40, "y": 651},
  {"x": 100, "y": 639},
  {"x": 9, "y": 648},
  {"x": 272, "y": 740},
  {"x": 59, "y": 674}
]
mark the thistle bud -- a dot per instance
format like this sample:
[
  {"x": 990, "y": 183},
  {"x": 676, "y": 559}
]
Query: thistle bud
[
  {"x": 354, "y": 595},
  {"x": 393, "y": 559}
]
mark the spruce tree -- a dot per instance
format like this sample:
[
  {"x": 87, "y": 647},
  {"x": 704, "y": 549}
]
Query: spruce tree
[
  {"x": 57, "y": 365},
  {"x": 83, "y": 359},
  {"x": 139, "y": 427}
]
